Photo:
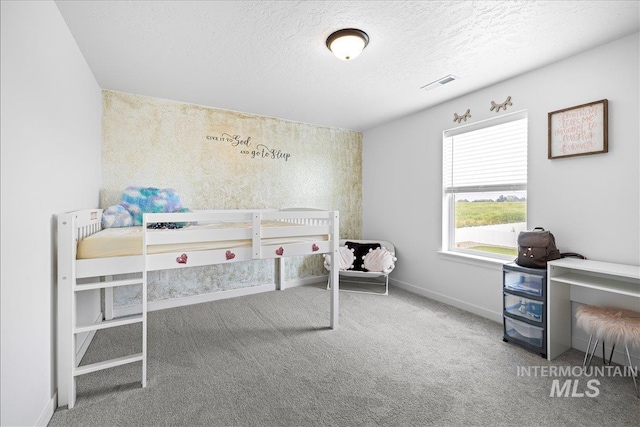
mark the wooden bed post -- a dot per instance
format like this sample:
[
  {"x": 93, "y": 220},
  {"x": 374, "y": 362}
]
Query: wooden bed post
[
  {"x": 279, "y": 273},
  {"x": 66, "y": 350},
  {"x": 335, "y": 281},
  {"x": 108, "y": 301},
  {"x": 145, "y": 271}
]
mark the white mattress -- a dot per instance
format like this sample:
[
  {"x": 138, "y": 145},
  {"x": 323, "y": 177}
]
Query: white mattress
[{"x": 127, "y": 241}]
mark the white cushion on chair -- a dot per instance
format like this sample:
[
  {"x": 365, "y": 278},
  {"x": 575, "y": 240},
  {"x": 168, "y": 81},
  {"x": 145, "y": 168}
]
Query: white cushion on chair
[
  {"x": 345, "y": 258},
  {"x": 379, "y": 259}
]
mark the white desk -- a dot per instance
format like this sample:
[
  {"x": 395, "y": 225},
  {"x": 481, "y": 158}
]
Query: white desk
[{"x": 573, "y": 279}]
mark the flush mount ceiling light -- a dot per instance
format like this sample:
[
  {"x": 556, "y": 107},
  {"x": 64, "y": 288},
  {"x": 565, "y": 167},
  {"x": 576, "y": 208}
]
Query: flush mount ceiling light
[{"x": 348, "y": 43}]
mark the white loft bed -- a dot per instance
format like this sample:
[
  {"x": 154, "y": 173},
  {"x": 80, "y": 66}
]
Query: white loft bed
[{"x": 212, "y": 237}]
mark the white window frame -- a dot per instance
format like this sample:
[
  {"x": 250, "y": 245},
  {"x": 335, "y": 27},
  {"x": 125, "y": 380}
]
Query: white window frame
[{"x": 448, "y": 202}]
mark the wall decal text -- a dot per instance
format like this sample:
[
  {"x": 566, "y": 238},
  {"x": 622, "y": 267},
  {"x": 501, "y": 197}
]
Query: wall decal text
[{"x": 260, "y": 151}]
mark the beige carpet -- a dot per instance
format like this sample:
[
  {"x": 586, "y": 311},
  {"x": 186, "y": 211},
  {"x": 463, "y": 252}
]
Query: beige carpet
[{"x": 270, "y": 360}]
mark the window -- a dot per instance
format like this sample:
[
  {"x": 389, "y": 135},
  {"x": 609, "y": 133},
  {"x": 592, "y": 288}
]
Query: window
[{"x": 485, "y": 186}]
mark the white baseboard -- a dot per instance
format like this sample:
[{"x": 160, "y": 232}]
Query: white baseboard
[
  {"x": 480, "y": 311},
  {"x": 312, "y": 280},
  {"x": 47, "y": 412},
  {"x": 193, "y": 299},
  {"x": 619, "y": 355},
  {"x": 126, "y": 311},
  {"x": 214, "y": 296}
]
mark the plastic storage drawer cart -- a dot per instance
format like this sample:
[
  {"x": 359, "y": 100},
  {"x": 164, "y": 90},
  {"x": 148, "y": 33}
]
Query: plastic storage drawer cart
[{"x": 524, "y": 297}]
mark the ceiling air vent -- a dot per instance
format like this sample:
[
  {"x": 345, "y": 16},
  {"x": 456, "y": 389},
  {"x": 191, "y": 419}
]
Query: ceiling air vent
[{"x": 439, "y": 82}]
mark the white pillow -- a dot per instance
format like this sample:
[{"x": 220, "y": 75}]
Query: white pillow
[
  {"x": 345, "y": 258},
  {"x": 116, "y": 216},
  {"x": 379, "y": 259}
]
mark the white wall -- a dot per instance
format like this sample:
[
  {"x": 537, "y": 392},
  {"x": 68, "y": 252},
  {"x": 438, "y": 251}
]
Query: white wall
[
  {"x": 50, "y": 150},
  {"x": 142, "y": 135},
  {"x": 590, "y": 203},
  {"x": 51, "y": 132}
]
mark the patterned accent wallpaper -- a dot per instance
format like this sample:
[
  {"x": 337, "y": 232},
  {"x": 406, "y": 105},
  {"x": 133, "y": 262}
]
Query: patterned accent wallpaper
[{"x": 220, "y": 159}]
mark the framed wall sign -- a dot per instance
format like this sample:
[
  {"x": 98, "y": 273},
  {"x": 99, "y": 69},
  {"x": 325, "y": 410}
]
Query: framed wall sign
[{"x": 579, "y": 130}]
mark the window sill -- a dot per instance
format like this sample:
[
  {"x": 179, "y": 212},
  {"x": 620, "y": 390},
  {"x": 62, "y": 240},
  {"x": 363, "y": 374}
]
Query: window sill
[{"x": 479, "y": 261}]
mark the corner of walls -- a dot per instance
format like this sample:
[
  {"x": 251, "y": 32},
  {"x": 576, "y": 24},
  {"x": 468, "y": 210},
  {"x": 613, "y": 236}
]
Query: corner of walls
[{"x": 567, "y": 196}]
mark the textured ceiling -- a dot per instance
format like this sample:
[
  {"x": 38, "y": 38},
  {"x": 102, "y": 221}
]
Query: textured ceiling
[{"x": 270, "y": 58}]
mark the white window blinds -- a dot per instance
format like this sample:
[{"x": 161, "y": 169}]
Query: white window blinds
[{"x": 488, "y": 156}]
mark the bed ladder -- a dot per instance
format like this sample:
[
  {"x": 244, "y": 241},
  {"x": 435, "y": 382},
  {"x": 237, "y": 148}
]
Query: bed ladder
[
  {"x": 68, "y": 328},
  {"x": 121, "y": 321}
]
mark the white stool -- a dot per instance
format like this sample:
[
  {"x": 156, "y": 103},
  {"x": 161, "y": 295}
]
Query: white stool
[{"x": 611, "y": 324}]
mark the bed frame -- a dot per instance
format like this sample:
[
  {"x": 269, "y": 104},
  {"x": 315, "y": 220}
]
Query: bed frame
[{"x": 80, "y": 275}]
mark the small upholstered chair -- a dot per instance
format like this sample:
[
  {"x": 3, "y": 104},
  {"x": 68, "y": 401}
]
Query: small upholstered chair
[
  {"x": 361, "y": 260},
  {"x": 613, "y": 325}
]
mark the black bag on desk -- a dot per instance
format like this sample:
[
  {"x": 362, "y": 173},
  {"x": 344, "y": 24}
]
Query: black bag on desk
[{"x": 536, "y": 247}]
